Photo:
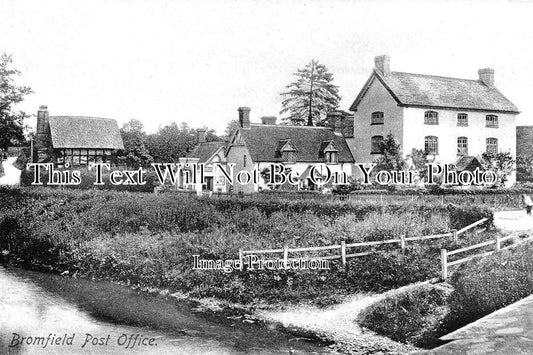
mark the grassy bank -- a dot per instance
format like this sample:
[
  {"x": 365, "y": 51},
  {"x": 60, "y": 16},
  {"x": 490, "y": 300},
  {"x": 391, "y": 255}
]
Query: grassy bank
[
  {"x": 147, "y": 239},
  {"x": 422, "y": 315}
]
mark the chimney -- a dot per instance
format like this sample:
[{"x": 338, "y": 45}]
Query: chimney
[
  {"x": 43, "y": 137},
  {"x": 244, "y": 117},
  {"x": 382, "y": 64},
  {"x": 335, "y": 121},
  {"x": 42, "y": 119},
  {"x": 201, "y": 135},
  {"x": 271, "y": 120},
  {"x": 486, "y": 76}
]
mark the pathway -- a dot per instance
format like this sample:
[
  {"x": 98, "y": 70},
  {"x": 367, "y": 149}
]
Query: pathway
[{"x": 12, "y": 174}]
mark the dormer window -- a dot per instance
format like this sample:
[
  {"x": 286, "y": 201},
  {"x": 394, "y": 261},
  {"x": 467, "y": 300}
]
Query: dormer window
[
  {"x": 329, "y": 152},
  {"x": 462, "y": 119},
  {"x": 492, "y": 121},
  {"x": 431, "y": 117},
  {"x": 288, "y": 157},
  {"x": 331, "y": 157},
  {"x": 377, "y": 118},
  {"x": 287, "y": 151}
]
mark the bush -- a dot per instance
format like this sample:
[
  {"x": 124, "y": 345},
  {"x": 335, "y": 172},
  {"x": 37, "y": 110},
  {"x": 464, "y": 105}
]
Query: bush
[{"x": 413, "y": 316}]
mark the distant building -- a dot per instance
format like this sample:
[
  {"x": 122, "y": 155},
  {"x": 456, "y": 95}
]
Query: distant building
[
  {"x": 448, "y": 118},
  {"x": 75, "y": 140},
  {"x": 212, "y": 154},
  {"x": 254, "y": 147}
]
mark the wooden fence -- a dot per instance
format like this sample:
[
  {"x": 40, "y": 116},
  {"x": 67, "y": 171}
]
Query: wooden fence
[
  {"x": 343, "y": 247},
  {"x": 497, "y": 242}
]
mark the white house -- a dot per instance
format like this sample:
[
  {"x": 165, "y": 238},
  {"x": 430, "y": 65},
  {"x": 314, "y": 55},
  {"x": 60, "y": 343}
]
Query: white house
[
  {"x": 448, "y": 118},
  {"x": 254, "y": 147}
]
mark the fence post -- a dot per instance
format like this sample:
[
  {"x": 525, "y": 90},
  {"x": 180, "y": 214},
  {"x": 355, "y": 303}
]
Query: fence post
[
  {"x": 241, "y": 259},
  {"x": 444, "y": 264},
  {"x": 285, "y": 256},
  {"x": 498, "y": 243},
  {"x": 455, "y": 236},
  {"x": 402, "y": 243},
  {"x": 343, "y": 253}
]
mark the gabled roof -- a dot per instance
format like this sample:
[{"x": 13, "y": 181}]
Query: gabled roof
[
  {"x": 204, "y": 151},
  {"x": 469, "y": 163},
  {"x": 263, "y": 142},
  {"x": 85, "y": 132},
  {"x": 417, "y": 90}
]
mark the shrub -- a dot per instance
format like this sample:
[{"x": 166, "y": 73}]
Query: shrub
[{"x": 413, "y": 316}]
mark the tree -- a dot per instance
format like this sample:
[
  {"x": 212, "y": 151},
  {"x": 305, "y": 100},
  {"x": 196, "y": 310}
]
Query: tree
[
  {"x": 11, "y": 122},
  {"x": 134, "y": 138},
  {"x": 501, "y": 163},
  {"x": 524, "y": 167},
  {"x": 230, "y": 128},
  {"x": 311, "y": 96},
  {"x": 391, "y": 155}
]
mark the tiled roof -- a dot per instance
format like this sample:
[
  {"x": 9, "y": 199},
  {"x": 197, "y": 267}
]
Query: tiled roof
[
  {"x": 440, "y": 92},
  {"x": 468, "y": 163},
  {"x": 204, "y": 151},
  {"x": 524, "y": 140},
  {"x": 85, "y": 132},
  {"x": 263, "y": 141}
]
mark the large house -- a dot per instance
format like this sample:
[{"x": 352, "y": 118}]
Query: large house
[
  {"x": 75, "y": 140},
  {"x": 254, "y": 147},
  {"x": 448, "y": 118}
]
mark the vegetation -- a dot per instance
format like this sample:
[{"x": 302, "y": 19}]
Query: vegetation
[
  {"x": 311, "y": 96},
  {"x": 149, "y": 240},
  {"x": 11, "y": 122}
]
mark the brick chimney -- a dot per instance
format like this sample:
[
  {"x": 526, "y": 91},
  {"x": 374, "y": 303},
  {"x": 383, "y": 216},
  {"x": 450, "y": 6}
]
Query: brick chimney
[
  {"x": 201, "y": 135},
  {"x": 382, "y": 64},
  {"x": 244, "y": 117},
  {"x": 43, "y": 137},
  {"x": 335, "y": 121},
  {"x": 486, "y": 76},
  {"x": 271, "y": 120}
]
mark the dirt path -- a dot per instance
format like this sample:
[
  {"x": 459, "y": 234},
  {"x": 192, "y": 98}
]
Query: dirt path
[
  {"x": 513, "y": 221},
  {"x": 12, "y": 174}
]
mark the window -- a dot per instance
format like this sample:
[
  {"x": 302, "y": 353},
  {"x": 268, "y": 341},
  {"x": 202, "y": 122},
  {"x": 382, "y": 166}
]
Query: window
[
  {"x": 431, "y": 117},
  {"x": 288, "y": 156},
  {"x": 462, "y": 119},
  {"x": 377, "y": 118},
  {"x": 331, "y": 157},
  {"x": 492, "y": 121},
  {"x": 375, "y": 144},
  {"x": 431, "y": 145},
  {"x": 492, "y": 145},
  {"x": 462, "y": 146},
  {"x": 244, "y": 161}
]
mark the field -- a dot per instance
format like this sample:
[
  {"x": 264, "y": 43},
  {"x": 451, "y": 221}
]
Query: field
[{"x": 148, "y": 240}]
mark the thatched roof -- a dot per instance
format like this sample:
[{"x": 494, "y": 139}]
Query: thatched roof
[
  {"x": 263, "y": 142},
  {"x": 417, "y": 90},
  {"x": 204, "y": 151},
  {"x": 85, "y": 132}
]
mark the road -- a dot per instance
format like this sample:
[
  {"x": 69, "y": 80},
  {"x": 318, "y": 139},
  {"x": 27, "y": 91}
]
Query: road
[{"x": 11, "y": 174}]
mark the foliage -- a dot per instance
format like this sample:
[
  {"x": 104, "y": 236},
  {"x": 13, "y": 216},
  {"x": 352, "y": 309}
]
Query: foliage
[
  {"x": 524, "y": 167},
  {"x": 135, "y": 152},
  {"x": 173, "y": 141},
  {"x": 501, "y": 163},
  {"x": 412, "y": 316},
  {"x": 311, "y": 96},
  {"x": 391, "y": 155},
  {"x": 11, "y": 122},
  {"x": 230, "y": 128}
]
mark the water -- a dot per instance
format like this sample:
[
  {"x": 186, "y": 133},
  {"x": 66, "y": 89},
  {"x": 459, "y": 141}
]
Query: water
[{"x": 35, "y": 304}]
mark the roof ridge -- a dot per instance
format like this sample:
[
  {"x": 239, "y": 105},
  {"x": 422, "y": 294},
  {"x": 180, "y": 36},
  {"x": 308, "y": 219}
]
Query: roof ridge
[
  {"x": 437, "y": 76},
  {"x": 285, "y": 126},
  {"x": 89, "y": 117}
]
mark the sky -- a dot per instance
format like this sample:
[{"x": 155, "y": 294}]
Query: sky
[{"x": 198, "y": 61}]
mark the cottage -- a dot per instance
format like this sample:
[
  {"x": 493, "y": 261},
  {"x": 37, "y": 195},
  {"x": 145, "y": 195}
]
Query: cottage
[
  {"x": 254, "y": 147},
  {"x": 212, "y": 155},
  {"x": 75, "y": 140},
  {"x": 448, "y": 118}
]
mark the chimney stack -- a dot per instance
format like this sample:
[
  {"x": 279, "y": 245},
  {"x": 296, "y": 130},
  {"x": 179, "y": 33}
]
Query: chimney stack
[
  {"x": 201, "y": 135},
  {"x": 43, "y": 137},
  {"x": 271, "y": 120},
  {"x": 486, "y": 76},
  {"x": 244, "y": 117},
  {"x": 382, "y": 64},
  {"x": 335, "y": 121}
]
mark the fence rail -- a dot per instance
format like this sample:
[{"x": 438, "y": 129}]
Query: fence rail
[
  {"x": 343, "y": 246},
  {"x": 497, "y": 242}
]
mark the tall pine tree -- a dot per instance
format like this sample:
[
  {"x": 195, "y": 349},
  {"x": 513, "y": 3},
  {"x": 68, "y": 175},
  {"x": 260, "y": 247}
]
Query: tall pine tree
[{"x": 311, "y": 96}]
